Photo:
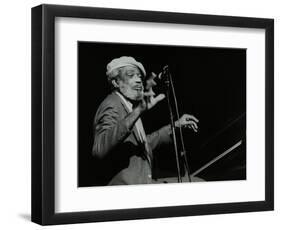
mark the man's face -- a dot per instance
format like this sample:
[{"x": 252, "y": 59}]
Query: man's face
[{"x": 130, "y": 83}]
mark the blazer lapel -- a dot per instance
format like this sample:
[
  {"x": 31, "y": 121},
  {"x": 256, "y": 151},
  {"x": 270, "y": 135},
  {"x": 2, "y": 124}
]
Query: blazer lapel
[
  {"x": 148, "y": 154},
  {"x": 135, "y": 132}
]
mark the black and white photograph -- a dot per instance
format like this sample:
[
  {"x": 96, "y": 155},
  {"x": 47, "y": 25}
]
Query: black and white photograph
[
  {"x": 135, "y": 115},
  {"x": 177, "y": 107},
  {"x": 158, "y": 114}
]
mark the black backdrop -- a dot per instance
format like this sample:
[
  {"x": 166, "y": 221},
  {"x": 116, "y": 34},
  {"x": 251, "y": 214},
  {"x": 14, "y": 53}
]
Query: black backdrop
[{"x": 210, "y": 83}]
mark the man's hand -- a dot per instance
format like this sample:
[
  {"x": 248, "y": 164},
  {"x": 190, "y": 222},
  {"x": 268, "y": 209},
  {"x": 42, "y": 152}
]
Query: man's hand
[
  {"x": 149, "y": 99},
  {"x": 189, "y": 121}
]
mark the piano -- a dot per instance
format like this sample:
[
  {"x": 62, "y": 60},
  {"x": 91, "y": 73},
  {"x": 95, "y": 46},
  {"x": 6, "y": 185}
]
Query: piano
[{"x": 221, "y": 157}]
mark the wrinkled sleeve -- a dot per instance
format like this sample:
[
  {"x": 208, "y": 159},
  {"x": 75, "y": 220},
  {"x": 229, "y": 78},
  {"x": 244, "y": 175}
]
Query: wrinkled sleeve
[
  {"x": 160, "y": 137},
  {"x": 109, "y": 131}
]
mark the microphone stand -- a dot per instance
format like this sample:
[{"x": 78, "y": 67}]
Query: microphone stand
[{"x": 170, "y": 87}]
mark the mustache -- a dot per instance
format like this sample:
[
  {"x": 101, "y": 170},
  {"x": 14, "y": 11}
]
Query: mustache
[{"x": 138, "y": 87}]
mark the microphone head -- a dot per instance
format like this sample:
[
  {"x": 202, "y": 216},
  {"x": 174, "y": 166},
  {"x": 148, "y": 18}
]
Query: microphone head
[
  {"x": 158, "y": 81},
  {"x": 162, "y": 75},
  {"x": 166, "y": 69}
]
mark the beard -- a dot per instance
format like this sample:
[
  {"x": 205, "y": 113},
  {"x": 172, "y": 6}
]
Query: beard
[{"x": 131, "y": 93}]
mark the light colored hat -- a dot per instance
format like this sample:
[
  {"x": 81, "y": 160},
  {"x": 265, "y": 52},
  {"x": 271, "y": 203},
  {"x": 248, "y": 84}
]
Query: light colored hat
[{"x": 124, "y": 61}]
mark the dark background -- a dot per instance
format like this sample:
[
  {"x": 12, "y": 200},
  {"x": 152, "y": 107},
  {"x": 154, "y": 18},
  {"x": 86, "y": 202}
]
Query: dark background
[{"x": 210, "y": 84}]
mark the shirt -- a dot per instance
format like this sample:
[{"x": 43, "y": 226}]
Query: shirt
[
  {"x": 139, "y": 127},
  {"x": 138, "y": 124}
]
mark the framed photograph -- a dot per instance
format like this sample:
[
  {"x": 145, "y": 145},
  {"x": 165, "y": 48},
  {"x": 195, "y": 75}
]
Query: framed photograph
[{"x": 144, "y": 114}]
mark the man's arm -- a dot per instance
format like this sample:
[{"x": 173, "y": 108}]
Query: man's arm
[
  {"x": 109, "y": 131},
  {"x": 163, "y": 135},
  {"x": 160, "y": 137}
]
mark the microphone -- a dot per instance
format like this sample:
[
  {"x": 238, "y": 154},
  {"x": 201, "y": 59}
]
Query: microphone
[
  {"x": 164, "y": 74},
  {"x": 160, "y": 80}
]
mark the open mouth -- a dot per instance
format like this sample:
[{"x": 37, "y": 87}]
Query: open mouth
[{"x": 138, "y": 88}]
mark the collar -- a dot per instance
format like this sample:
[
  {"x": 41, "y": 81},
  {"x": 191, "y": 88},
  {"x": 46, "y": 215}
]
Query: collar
[{"x": 128, "y": 104}]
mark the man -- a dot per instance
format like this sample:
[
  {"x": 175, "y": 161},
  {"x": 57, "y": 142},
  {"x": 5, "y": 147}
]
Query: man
[{"x": 120, "y": 142}]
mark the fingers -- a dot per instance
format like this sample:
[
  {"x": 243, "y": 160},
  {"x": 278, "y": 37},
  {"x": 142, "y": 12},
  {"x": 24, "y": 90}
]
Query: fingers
[
  {"x": 160, "y": 97},
  {"x": 149, "y": 94},
  {"x": 189, "y": 121},
  {"x": 194, "y": 118},
  {"x": 150, "y": 81},
  {"x": 191, "y": 125},
  {"x": 191, "y": 117},
  {"x": 151, "y": 100},
  {"x": 151, "y": 76}
]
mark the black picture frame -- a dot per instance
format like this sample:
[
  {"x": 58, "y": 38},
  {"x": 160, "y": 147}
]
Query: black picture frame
[{"x": 43, "y": 110}]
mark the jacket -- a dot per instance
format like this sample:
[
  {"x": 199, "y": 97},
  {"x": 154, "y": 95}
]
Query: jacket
[{"x": 123, "y": 156}]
